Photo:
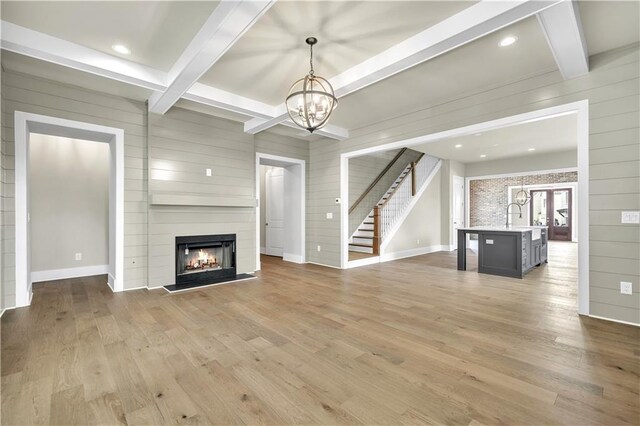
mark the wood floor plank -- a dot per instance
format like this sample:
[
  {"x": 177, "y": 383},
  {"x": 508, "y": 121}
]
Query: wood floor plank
[{"x": 414, "y": 341}]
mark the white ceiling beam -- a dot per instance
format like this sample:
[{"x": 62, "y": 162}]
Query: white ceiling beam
[
  {"x": 51, "y": 49},
  {"x": 562, "y": 27},
  {"x": 211, "y": 96},
  {"x": 470, "y": 24},
  {"x": 228, "y": 22}
]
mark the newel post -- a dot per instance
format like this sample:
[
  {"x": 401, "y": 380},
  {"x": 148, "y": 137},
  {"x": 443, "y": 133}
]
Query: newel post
[
  {"x": 376, "y": 231},
  {"x": 413, "y": 178}
]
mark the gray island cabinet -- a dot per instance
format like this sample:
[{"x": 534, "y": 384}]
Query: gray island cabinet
[{"x": 509, "y": 252}]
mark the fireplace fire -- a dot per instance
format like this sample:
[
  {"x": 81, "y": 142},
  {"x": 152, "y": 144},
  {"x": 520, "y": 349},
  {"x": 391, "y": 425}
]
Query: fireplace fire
[{"x": 205, "y": 259}]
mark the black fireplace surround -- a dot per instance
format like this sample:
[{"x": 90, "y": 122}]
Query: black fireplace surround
[{"x": 205, "y": 259}]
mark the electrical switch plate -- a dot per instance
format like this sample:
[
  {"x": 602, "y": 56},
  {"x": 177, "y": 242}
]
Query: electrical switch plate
[
  {"x": 626, "y": 287},
  {"x": 78, "y": 256},
  {"x": 209, "y": 173},
  {"x": 630, "y": 217},
  {"x": 338, "y": 200},
  {"x": 329, "y": 215},
  {"x": 319, "y": 248}
]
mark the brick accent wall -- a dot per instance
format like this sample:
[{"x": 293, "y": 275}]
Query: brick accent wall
[{"x": 488, "y": 198}]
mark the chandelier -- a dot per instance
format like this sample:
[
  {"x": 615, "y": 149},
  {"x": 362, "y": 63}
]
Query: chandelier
[{"x": 311, "y": 99}]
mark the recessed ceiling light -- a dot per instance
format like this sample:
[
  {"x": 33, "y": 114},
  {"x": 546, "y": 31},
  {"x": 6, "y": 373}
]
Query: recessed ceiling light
[
  {"x": 508, "y": 41},
  {"x": 477, "y": 134},
  {"x": 483, "y": 155},
  {"x": 458, "y": 146},
  {"x": 495, "y": 144},
  {"x": 531, "y": 149},
  {"x": 120, "y": 48}
]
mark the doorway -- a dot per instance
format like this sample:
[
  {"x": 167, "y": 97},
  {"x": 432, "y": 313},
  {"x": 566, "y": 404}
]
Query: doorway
[
  {"x": 280, "y": 211},
  {"x": 25, "y": 125},
  {"x": 553, "y": 208},
  {"x": 458, "y": 209},
  {"x": 274, "y": 211}
]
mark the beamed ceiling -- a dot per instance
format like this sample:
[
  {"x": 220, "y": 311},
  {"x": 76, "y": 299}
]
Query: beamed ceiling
[{"x": 237, "y": 60}]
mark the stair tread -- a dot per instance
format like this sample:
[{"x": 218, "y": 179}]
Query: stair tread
[
  {"x": 361, "y": 245},
  {"x": 363, "y": 237}
]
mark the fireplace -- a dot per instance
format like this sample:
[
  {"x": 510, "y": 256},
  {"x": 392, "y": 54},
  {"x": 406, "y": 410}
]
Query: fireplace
[{"x": 205, "y": 259}]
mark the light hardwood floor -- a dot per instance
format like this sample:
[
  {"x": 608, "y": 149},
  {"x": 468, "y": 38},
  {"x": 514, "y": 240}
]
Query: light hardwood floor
[{"x": 406, "y": 342}]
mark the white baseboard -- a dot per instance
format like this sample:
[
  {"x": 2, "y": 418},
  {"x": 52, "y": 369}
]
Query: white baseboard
[
  {"x": 144, "y": 287},
  {"x": 295, "y": 258},
  {"x": 385, "y": 257},
  {"x": 263, "y": 250},
  {"x": 111, "y": 282},
  {"x": 2, "y": 312},
  {"x": 613, "y": 320},
  {"x": 363, "y": 262},
  {"x": 60, "y": 274}
]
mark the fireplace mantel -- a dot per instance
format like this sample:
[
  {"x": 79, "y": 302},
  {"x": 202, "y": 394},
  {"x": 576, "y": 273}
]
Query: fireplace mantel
[{"x": 166, "y": 199}]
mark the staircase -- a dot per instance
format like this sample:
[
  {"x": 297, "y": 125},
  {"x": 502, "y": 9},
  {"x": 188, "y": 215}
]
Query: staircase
[{"x": 388, "y": 210}]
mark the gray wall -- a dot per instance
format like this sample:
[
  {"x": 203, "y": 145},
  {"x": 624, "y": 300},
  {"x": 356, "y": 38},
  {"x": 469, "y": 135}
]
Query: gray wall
[
  {"x": 612, "y": 88},
  {"x": 69, "y": 202},
  {"x": 529, "y": 163},
  {"x": 450, "y": 168},
  {"x": 21, "y": 92}
]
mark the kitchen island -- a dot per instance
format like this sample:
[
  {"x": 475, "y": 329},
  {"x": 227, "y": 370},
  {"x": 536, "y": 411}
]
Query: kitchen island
[{"x": 505, "y": 251}]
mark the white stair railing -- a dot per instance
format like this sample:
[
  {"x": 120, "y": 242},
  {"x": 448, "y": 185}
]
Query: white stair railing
[{"x": 391, "y": 209}]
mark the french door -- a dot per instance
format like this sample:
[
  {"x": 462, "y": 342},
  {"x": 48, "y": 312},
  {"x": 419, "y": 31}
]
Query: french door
[{"x": 552, "y": 208}]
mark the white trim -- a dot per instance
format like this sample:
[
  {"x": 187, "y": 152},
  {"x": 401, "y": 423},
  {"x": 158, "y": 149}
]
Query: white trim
[
  {"x": 111, "y": 281},
  {"x": 363, "y": 262},
  {"x": 294, "y": 258},
  {"x": 519, "y": 174},
  {"x": 614, "y": 320},
  {"x": 263, "y": 250},
  {"x": 60, "y": 274},
  {"x": 25, "y": 123},
  {"x": 344, "y": 211},
  {"x": 303, "y": 188},
  {"x": 562, "y": 28},
  {"x": 414, "y": 200},
  {"x": 581, "y": 108},
  {"x": 412, "y": 252},
  {"x": 208, "y": 285},
  {"x": 2, "y": 312}
]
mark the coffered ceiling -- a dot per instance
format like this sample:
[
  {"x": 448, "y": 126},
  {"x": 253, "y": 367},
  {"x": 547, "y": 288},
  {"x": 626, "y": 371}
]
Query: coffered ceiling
[{"x": 238, "y": 59}]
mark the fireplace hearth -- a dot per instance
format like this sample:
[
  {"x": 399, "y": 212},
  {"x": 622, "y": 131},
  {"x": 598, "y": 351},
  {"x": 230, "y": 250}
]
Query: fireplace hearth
[{"x": 205, "y": 259}]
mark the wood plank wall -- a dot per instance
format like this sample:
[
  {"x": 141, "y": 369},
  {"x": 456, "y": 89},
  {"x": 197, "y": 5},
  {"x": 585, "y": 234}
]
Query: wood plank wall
[{"x": 612, "y": 88}]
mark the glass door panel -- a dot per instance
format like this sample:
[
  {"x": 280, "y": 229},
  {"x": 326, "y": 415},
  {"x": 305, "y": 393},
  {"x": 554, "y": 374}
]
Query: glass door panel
[{"x": 539, "y": 215}]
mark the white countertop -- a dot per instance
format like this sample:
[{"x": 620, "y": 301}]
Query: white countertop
[{"x": 503, "y": 228}]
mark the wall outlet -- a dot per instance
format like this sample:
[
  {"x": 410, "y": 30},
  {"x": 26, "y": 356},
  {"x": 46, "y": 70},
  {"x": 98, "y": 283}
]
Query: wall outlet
[
  {"x": 630, "y": 217},
  {"x": 626, "y": 287},
  {"x": 208, "y": 172},
  {"x": 329, "y": 215},
  {"x": 78, "y": 256},
  {"x": 319, "y": 248}
]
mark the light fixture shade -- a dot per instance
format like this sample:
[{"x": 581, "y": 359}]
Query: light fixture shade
[{"x": 310, "y": 102}]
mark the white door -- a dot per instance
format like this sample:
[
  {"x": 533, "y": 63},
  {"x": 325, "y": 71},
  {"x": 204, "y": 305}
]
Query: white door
[
  {"x": 457, "y": 200},
  {"x": 274, "y": 211}
]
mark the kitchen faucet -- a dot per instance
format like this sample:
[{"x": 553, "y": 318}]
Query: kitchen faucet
[{"x": 519, "y": 208}]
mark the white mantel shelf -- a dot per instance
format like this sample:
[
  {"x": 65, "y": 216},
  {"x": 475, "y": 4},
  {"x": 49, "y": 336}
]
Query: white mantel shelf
[{"x": 200, "y": 200}]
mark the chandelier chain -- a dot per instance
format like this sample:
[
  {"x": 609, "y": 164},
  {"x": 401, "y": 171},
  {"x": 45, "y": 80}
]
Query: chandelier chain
[{"x": 311, "y": 59}]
